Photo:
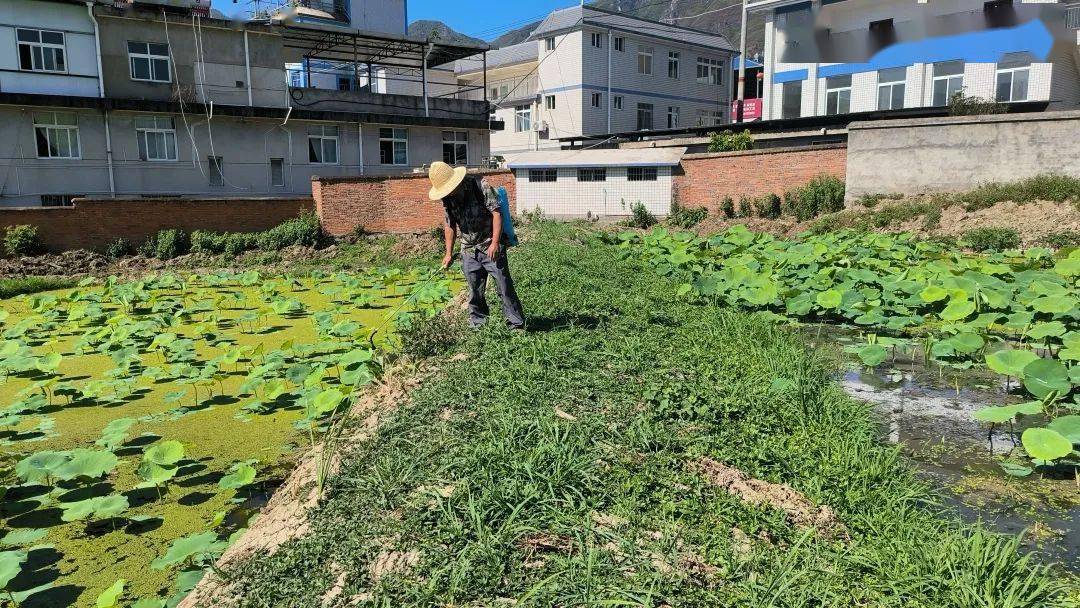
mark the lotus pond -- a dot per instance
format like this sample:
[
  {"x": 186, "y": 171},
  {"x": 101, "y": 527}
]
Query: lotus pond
[
  {"x": 1013, "y": 313},
  {"x": 143, "y": 421}
]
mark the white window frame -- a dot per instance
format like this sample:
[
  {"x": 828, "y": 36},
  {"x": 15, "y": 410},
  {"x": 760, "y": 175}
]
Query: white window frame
[
  {"x": 597, "y": 40},
  {"x": 673, "y": 58},
  {"x": 592, "y": 174},
  {"x": 522, "y": 119},
  {"x": 645, "y": 60},
  {"x": 164, "y": 127},
  {"x": 710, "y": 118},
  {"x": 617, "y": 102},
  {"x": 619, "y": 44},
  {"x": 710, "y": 71},
  {"x": 1012, "y": 83},
  {"x": 597, "y": 99},
  {"x": 673, "y": 117},
  {"x": 57, "y": 127},
  {"x": 641, "y": 174},
  {"x": 281, "y": 182},
  {"x": 549, "y": 102},
  {"x": 151, "y": 59},
  {"x": 949, "y": 79},
  {"x": 39, "y": 50},
  {"x": 549, "y": 43},
  {"x": 838, "y": 93},
  {"x": 395, "y": 136},
  {"x": 325, "y": 135},
  {"x": 891, "y": 84},
  {"x": 541, "y": 176},
  {"x": 456, "y": 140}
]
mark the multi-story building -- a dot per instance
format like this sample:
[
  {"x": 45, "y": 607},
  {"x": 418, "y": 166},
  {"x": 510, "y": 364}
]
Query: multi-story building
[
  {"x": 586, "y": 71},
  {"x": 149, "y": 100},
  {"x": 826, "y": 57}
]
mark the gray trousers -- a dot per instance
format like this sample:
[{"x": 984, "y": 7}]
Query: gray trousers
[{"x": 477, "y": 266}]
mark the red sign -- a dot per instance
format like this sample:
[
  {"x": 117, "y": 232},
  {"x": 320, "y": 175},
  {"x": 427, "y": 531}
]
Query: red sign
[{"x": 751, "y": 110}]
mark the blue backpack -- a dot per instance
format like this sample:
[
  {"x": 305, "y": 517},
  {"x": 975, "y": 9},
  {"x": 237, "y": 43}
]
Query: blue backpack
[{"x": 507, "y": 220}]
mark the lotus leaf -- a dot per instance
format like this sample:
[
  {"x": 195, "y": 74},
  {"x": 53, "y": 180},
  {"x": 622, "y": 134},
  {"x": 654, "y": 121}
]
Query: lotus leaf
[
  {"x": 164, "y": 452},
  {"x": 327, "y": 401},
  {"x": 40, "y": 466},
  {"x": 958, "y": 310},
  {"x": 1054, "y": 304},
  {"x": 110, "y": 598},
  {"x": 933, "y": 293},
  {"x": 98, "y": 507},
  {"x": 829, "y": 299},
  {"x": 19, "y": 538},
  {"x": 1051, "y": 329},
  {"x": 1016, "y": 470},
  {"x": 241, "y": 475},
  {"x": 1067, "y": 426},
  {"x": 1045, "y": 444},
  {"x": 967, "y": 342},
  {"x": 86, "y": 463},
  {"x": 1045, "y": 376},
  {"x": 10, "y": 565},
  {"x": 183, "y": 549},
  {"x": 1010, "y": 362}
]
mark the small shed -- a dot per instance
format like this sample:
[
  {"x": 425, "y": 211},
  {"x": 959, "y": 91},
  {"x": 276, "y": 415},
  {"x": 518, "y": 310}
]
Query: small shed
[{"x": 601, "y": 183}]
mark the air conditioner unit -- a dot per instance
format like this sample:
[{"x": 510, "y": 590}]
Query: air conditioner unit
[{"x": 540, "y": 125}]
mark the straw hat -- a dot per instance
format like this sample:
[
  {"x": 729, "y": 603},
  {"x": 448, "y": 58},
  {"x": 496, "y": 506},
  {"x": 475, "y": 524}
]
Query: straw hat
[{"x": 444, "y": 180}]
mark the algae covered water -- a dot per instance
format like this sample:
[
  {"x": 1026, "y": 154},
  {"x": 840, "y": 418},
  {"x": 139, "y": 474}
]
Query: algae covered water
[{"x": 145, "y": 421}]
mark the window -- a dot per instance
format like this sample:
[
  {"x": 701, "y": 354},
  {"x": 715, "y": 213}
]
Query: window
[
  {"x": 455, "y": 147},
  {"x": 592, "y": 175},
  {"x": 215, "y": 170},
  {"x": 41, "y": 50},
  {"x": 710, "y": 118},
  {"x": 394, "y": 146},
  {"x": 549, "y": 43},
  {"x": 948, "y": 81},
  {"x": 57, "y": 135},
  {"x": 549, "y": 102},
  {"x": 277, "y": 171},
  {"x": 891, "y": 88},
  {"x": 59, "y": 200},
  {"x": 837, "y": 95},
  {"x": 710, "y": 71},
  {"x": 1013, "y": 76},
  {"x": 157, "y": 138},
  {"x": 673, "y": 117},
  {"x": 620, "y": 44},
  {"x": 597, "y": 99},
  {"x": 673, "y": 64},
  {"x": 323, "y": 145},
  {"x": 149, "y": 61},
  {"x": 644, "y": 60},
  {"x": 617, "y": 102},
  {"x": 296, "y": 78},
  {"x": 644, "y": 116},
  {"x": 543, "y": 175},
  {"x": 641, "y": 174},
  {"x": 522, "y": 118},
  {"x": 346, "y": 83},
  {"x": 791, "y": 103},
  {"x": 597, "y": 40}
]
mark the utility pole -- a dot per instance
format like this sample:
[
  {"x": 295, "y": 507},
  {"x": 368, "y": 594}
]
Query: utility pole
[{"x": 742, "y": 68}]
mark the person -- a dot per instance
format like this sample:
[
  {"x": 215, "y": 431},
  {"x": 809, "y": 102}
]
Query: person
[{"x": 473, "y": 212}]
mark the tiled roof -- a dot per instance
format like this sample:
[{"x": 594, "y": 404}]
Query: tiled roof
[{"x": 507, "y": 55}]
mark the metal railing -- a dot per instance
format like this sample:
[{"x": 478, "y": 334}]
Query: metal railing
[
  {"x": 507, "y": 89},
  {"x": 1072, "y": 17}
]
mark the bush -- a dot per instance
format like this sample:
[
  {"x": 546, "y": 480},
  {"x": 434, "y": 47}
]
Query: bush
[
  {"x": 166, "y": 245},
  {"x": 1062, "y": 240},
  {"x": 437, "y": 335},
  {"x": 992, "y": 239},
  {"x": 727, "y": 207},
  {"x": 305, "y": 231},
  {"x": 640, "y": 216},
  {"x": 962, "y": 105},
  {"x": 1047, "y": 187},
  {"x": 744, "y": 207},
  {"x": 118, "y": 249},
  {"x": 823, "y": 194},
  {"x": 686, "y": 217},
  {"x": 770, "y": 206},
  {"x": 727, "y": 141},
  {"x": 21, "y": 240}
]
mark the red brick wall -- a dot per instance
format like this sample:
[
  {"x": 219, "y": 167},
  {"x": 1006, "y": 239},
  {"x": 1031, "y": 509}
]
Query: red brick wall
[
  {"x": 397, "y": 204},
  {"x": 706, "y": 179},
  {"x": 93, "y": 224}
]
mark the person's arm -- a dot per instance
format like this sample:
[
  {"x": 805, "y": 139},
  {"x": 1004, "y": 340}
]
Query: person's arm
[
  {"x": 491, "y": 201},
  {"x": 449, "y": 236}
]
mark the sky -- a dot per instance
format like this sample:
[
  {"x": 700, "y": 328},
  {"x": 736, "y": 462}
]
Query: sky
[{"x": 483, "y": 18}]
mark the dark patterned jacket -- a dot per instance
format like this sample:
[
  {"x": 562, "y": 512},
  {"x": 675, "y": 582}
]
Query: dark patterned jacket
[{"x": 469, "y": 212}]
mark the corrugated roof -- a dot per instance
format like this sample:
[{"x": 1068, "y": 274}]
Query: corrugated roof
[
  {"x": 568, "y": 18},
  {"x": 644, "y": 157},
  {"x": 507, "y": 55}
]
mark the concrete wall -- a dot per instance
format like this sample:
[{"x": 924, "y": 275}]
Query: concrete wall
[
  {"x": 80, "y": 77},
  {"x": 399, "y": 105},
  {"x": 95, "y": 224},
  {"x": 959, "y": 153},
  {"x": 245, "y": 145}
]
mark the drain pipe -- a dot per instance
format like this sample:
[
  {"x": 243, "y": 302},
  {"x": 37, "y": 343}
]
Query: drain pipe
[
  {"x": 609, "y": 102},
  {"x": 101, "y": 94},
  {"x": 427, "y": 51},
  {"x": 247, "y": 66}
]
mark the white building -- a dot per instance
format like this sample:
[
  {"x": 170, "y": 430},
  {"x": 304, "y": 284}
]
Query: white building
[
  {"x": 896, "y": 54},
  {"x": 597, "y": 183},
  {"x": 47, "y": 47},
  {"x": 585, "y": 71}
]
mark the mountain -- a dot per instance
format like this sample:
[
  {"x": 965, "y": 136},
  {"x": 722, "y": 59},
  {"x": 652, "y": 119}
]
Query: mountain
[
  {"x": 724, "y": 22},
  {"x": 445, "y": 33}
]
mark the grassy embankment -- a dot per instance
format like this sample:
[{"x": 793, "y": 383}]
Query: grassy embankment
[{"x": 558, "y": 467}]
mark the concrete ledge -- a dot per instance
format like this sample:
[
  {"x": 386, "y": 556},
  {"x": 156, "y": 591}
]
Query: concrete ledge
[
  {"x": 362, "y": 179},
  {"x": 965, "y": 120},
  {"x": 763, "y": 151}
]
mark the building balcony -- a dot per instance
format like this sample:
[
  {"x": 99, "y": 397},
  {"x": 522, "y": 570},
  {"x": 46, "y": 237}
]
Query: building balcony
[
  {"x": 439, "y": 109},
  {"x": 506, "y": 91}
]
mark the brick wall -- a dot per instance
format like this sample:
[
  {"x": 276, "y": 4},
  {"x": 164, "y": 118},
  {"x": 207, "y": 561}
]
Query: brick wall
[
  {"x": 397, "y": 204},
  {"x": 706, "y": 179},
  {"x": 93, "y": 224}
]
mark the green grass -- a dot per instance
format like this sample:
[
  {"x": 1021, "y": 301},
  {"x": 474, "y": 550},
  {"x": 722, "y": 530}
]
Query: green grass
[
  {"x": 10, "y": 288},
  {"x": 606, "y": 509}
]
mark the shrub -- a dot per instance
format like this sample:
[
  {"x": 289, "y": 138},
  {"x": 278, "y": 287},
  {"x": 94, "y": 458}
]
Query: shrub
[
  {"x": 770, "y": 206},
  {"x": 118, "y": 249},
  {"x": 304, "y": 230},
  {"x": 10, "y": 288},
  {"x": 204, "y": 241},
  {"x": 962, "y": 105},
  {"x": 1046, "y": 187},
  {"x": 744, "y": 207},
  {"x": 21, "y": 240},
  {"x": 166, "y": 244},
  {"x": 727, "y": 141},
  {"x": 432, "y": 336},
  {"x": 686, "y": 217},
  {"x": 1062, "y": 240},
  {"x": 727, "y": 207},
  {"x": 640, "y": 216},
  {"x": 992, "y": 239}
]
